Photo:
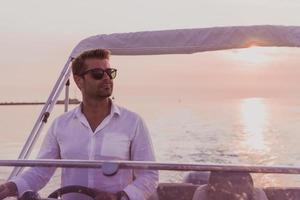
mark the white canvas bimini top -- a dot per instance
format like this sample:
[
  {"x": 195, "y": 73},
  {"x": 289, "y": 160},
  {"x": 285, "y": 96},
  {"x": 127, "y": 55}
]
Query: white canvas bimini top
[{"x": 187, "y": 41}]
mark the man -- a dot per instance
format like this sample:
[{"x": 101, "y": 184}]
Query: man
[{"x": 96, "y": 130}]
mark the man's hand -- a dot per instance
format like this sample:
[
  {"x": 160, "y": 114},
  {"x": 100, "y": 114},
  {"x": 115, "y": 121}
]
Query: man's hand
[{"x": 8, "y": 189}]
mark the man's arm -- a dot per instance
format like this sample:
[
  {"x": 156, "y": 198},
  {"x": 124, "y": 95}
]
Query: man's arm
[
  {"x": 37, "y": 177},
  {"x": 142, "y": 150}
]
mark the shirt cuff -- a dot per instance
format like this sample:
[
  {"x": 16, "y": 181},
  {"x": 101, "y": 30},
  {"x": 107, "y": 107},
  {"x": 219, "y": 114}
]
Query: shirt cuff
[
  {"x": 134, "y": 193},
  {"x": 22, "y": 185}
]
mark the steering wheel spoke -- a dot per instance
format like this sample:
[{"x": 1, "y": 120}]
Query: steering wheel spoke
[{"x": 74, "y": 189}]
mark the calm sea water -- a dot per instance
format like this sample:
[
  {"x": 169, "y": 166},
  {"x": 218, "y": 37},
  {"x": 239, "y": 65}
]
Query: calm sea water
[{"x": 261, "y": 131}]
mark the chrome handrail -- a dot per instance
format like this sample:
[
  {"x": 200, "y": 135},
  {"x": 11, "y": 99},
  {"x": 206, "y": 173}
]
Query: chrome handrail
[
  {"x": 43, "y": 117},
  {"x": 149, "y": 165}
]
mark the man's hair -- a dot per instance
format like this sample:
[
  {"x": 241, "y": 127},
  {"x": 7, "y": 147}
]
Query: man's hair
[{"x": 78, "y": 65}]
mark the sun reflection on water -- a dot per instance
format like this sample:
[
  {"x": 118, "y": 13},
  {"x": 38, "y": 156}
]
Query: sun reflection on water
[{"x": 254, "y": 118}]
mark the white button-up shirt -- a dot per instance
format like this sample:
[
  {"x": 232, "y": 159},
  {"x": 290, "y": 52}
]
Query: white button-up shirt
[{"x": 122, "y": 135}]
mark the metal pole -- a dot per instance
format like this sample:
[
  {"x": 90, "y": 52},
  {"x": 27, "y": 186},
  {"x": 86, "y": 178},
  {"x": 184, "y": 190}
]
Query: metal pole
[
  {"x": 67, "y": 95},
  {"x": 43, "y": 117},
  {"x": 145, "y": 165}
]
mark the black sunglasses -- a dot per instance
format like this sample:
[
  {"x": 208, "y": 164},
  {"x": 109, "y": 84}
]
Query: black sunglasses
[{"x": 98, "y": 73}]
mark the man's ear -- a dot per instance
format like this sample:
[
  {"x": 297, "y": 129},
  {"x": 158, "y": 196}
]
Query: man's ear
[{"x": 78, "y": 80}]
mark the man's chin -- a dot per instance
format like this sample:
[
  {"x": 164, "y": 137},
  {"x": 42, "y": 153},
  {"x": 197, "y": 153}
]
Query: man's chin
[{"x": 103, "y": 96}]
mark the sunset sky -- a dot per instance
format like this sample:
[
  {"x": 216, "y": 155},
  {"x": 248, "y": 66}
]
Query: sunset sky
[{"x": 36, "y": 38}]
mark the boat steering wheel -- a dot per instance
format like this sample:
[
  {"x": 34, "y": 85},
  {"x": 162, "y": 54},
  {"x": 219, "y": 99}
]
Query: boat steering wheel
[
  {"x": 57, "y": 194},
  {"x": 74, "y": 189}
]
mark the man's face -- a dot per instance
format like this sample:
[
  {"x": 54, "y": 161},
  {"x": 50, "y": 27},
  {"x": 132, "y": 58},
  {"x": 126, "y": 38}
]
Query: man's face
[{"x": 92, "y": 88}]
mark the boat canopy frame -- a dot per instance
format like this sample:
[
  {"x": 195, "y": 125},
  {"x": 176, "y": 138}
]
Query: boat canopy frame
[{"x": 179, "y": 41}]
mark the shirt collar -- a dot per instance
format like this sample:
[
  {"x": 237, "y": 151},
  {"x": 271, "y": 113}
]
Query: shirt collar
[{"x": 114, "y": 110}]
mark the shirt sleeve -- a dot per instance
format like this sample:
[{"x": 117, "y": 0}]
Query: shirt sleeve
[
  {"x": 146, "y": 181},
  {"x": 36, "y": 178}
]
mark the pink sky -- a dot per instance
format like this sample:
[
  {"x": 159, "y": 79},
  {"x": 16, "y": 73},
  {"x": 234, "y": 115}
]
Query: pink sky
[
  {"x": 36, "y": 38},
  {"x": 222, "y": 73}
]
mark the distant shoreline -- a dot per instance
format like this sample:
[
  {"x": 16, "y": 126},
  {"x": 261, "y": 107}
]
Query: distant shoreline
[{"x": 71, "y": 101}]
